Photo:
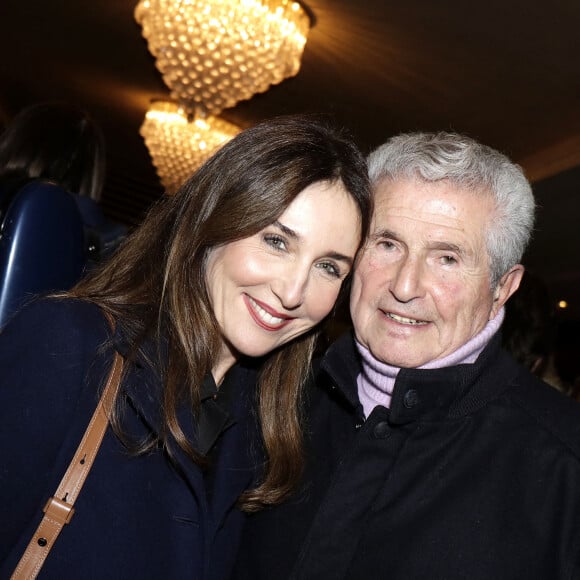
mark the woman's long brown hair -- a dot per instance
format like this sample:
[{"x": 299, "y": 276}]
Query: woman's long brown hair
[{"x": 155, "y": 285}]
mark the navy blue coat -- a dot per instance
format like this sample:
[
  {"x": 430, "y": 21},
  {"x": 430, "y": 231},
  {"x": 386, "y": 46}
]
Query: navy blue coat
[{"x": 136, "y": 517}]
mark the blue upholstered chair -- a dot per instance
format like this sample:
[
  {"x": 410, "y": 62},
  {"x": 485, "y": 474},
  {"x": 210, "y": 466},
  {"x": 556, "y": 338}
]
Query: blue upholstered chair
[{"x": 42, "y": 244}]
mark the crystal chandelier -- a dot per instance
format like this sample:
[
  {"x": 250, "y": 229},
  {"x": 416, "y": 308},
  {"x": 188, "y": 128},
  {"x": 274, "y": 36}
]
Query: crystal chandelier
[
  {"x": 178, "y": 143},
  {"x": 215, "y": 53}
]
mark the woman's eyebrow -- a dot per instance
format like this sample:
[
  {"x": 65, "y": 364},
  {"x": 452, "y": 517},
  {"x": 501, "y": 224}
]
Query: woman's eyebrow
[
  {"x": 285, "y": 229},
  {"x": 341, "y": 258},
  {"x": 292, "y": 234}
]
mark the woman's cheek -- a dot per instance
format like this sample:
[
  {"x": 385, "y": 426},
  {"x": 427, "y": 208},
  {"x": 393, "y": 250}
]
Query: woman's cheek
[{"x": 323, "y": 302}]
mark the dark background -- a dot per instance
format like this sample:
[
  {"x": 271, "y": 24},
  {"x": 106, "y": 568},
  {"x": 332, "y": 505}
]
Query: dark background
[{"x": 506, "y": 72}]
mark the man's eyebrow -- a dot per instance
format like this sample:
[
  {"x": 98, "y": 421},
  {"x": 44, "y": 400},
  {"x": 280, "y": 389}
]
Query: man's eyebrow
[
  {"x": 448, "y": 247},
  {"x": 384, "y": 233}
]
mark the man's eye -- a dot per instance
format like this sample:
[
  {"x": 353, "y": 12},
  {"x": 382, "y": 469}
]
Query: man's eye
[
  {"x": 448, "y": 260},
  {"x": 387, "y": 245},
  {"x": 274, "y": 241}
]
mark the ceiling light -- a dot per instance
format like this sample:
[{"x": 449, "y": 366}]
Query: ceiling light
[
  {"x": 215, "y": 53},
  {"x": 179, "y": 144}
]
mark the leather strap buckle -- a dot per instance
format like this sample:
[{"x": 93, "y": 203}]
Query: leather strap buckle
[{"x": 59, "y": 510}]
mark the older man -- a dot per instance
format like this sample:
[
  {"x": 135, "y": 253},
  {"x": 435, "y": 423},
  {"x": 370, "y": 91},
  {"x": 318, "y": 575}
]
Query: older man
[{"x": 430, "y": 452}]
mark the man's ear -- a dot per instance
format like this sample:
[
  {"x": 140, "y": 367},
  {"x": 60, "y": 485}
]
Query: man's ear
[{"x": 507, "y": 285}]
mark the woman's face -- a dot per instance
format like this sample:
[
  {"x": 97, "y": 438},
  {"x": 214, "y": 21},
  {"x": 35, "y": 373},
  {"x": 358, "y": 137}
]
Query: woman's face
[{"x": 279, "y": 283}]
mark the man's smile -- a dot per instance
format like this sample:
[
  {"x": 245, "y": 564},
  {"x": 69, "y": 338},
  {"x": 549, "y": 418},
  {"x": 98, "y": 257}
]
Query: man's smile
[{"x": 404, "y": 320}]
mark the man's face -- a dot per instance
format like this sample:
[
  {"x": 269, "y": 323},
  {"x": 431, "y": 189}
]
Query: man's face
[{"x": 422, "y": 286}]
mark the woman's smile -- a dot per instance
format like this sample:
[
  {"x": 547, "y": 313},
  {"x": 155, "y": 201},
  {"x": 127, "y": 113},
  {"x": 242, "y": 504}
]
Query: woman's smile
[{"x": 265, "y": 316}]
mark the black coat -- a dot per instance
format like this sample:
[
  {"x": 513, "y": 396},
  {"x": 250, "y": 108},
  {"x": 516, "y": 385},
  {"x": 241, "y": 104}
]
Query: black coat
[
  {"x": 473, "y": 473},
  {"x": 136, "y": 517}
]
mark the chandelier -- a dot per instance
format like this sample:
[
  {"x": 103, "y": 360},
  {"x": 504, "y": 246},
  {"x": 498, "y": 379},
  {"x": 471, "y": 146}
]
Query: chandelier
[
  {"x": 211, "y": 55},
  {"x": 215, "y": 53},
  {"x": 179, "y": 143}
]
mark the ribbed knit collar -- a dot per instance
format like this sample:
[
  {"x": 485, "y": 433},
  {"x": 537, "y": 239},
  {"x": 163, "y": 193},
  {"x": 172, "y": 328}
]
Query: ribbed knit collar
[{"x": 376, "y": 381}]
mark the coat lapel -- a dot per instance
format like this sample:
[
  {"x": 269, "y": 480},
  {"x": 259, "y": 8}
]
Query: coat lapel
[
  {"x": 143, "y": 388},
  {"x": 232, "y": 465},
  {"x": 235, "y": 466}
]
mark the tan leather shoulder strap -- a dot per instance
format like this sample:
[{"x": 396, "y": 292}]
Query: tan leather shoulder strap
[{"x": 59, "y": 509}]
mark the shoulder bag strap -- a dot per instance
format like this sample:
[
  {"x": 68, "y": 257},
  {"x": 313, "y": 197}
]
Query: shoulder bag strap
[{"x": 59, "y": 509}]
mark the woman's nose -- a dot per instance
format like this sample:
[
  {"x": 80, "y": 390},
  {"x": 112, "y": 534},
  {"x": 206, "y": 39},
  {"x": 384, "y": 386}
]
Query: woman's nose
[{"x": 290, "y": 287}]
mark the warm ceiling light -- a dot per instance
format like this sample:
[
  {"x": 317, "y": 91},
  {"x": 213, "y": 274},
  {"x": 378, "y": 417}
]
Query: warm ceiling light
[
  {"x": 562, "y": 304},
  {"x": 177, "y": 144},
  {"x": 214, "y": 53}
]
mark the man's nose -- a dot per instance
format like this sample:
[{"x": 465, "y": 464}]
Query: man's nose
[{"x": 407, "y": 282}]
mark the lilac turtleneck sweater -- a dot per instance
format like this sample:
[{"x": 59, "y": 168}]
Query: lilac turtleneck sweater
[{"x": 377, "y": 379}]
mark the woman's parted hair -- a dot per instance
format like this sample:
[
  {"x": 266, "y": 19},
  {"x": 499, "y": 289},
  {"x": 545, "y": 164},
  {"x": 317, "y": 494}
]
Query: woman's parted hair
[
  {"x": 462, "y": 161},
  {"x": 155, "y": 285},
  {"x": 57, "y": 142}
]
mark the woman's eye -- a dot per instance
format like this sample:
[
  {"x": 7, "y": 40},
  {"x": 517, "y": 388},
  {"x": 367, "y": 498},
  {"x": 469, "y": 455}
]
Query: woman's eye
[
  {"x": 448, "y": 260},
  {"x": 275, "y": 241},
  {"x": 331, "y": 269}
]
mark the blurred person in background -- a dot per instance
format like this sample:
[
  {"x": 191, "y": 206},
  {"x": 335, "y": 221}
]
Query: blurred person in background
[
  {"x": 60, "y": 143},
  {"x": 529, "y": 330}
]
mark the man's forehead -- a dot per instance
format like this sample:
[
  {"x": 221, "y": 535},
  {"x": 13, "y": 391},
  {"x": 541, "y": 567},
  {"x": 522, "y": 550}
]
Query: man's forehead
[
  {"x": 436, "y": 198},
  {"x": 436, "y": 215}
]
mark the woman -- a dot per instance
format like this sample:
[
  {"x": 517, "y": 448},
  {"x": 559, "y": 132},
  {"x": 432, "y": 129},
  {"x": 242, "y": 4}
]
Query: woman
[{"x": 230, "y": 275}]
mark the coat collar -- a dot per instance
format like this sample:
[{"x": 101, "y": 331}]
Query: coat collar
[{"x": 424, "y": 393}]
